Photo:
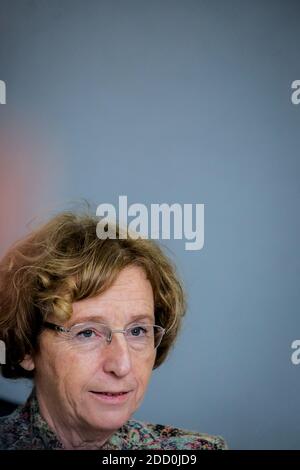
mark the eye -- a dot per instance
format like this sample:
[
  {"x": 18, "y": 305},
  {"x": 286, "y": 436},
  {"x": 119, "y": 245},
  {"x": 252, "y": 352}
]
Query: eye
[
  {"x": 138, "y": 331},
  {"x": 89, "y": 333},
  {"x": 86, "y": 334}
]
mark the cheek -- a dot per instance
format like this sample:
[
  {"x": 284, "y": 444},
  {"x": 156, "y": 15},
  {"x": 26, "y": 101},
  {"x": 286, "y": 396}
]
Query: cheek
[
  {"x": 143, "y": 369},
  {"x": 61, "y": 366}
]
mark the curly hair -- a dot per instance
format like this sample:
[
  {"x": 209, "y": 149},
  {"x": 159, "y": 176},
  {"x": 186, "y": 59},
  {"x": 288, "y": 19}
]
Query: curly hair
[{"x": 64, "y": 261}]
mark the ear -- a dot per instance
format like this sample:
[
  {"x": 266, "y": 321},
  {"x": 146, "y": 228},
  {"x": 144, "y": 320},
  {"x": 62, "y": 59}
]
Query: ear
[{"x": 28, "y": 363}]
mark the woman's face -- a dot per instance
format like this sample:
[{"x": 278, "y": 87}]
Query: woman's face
[{"x": 71, "y": 382}]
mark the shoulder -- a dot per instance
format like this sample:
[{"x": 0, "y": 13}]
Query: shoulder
[{"x": 158, "y": 436}]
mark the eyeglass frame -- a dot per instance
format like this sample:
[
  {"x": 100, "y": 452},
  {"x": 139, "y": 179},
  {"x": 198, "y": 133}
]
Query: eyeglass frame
[{"x": 62, "y": 329}]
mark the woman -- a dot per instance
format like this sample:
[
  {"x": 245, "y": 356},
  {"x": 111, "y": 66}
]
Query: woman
[{"x": 88, "y": 320}]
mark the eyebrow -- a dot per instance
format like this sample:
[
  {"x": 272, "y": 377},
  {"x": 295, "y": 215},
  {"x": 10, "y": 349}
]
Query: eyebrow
[{"x": 101, "y": 319}]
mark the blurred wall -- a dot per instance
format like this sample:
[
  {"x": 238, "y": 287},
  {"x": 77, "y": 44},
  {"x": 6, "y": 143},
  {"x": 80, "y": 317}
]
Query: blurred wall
[{"x": 174, "y": 101}]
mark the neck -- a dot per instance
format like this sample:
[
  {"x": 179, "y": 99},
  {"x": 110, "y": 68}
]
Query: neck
[{"x": 69, "y": 433}]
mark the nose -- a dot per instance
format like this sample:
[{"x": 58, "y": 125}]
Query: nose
[{"x": 117, "y": 356}]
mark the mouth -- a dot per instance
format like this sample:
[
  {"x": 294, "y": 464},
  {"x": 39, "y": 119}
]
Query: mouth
[{"x": 111, "y": 397}]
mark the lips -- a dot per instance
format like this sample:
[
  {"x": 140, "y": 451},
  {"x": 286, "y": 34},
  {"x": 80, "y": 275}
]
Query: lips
[
  {"x": 111, "y": 398},
  {"x": 112, "y": 394}
]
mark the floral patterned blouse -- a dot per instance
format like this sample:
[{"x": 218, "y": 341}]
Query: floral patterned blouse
[{"x": 26, "y": 429}]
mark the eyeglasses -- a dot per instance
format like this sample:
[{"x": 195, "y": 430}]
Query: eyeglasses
[{"x": 92, "y": 335}]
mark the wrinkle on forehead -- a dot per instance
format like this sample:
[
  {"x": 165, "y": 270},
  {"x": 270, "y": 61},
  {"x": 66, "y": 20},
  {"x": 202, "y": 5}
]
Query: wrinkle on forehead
[{"x": 131, "y": 293}]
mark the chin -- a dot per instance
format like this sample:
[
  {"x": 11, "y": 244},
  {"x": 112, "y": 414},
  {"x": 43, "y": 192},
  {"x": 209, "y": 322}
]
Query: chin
[
  {"x": 108, "y": 421},
  {"x": 107, "y": 417}
]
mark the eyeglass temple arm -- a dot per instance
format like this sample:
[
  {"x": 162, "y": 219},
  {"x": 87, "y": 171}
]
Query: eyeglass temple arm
[{"x": 53, "y": 326}]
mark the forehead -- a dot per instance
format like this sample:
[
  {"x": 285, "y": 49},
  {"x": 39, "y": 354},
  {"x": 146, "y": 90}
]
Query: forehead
[{"x": 130, "y": 295}]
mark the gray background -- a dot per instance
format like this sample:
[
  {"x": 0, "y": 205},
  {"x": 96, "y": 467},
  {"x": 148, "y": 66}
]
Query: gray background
[{"x": 174, "y": 101}]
